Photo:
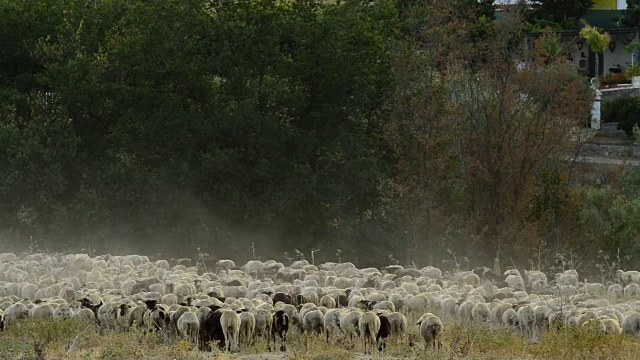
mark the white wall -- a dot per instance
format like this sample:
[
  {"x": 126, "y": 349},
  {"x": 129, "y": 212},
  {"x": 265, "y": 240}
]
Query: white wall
[
  {"x": 573, "y": 50},
  {"x": 618, "y": 56}
]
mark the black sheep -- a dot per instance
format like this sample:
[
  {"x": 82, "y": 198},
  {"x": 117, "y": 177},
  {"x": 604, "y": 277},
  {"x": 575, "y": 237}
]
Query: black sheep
[
  {"x": 383, "y": 333},
  {"x": 211, "y": 329},
  {"x": 285, "y": 298},
  {"x": 280, "y": 326},
  {"x": 86, "y": 303}
]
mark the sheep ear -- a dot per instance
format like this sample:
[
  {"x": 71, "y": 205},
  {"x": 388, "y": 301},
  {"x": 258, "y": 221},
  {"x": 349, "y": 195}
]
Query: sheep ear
[{"x": 419, "y": 322}]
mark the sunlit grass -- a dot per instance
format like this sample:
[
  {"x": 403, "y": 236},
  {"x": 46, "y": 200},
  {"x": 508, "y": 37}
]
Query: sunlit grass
[{"x": 70, "y": 339}]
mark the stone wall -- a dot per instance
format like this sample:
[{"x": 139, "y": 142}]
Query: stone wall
[
  {"x": 607, "y": 150},
  {"x": 610, "y": 94}
]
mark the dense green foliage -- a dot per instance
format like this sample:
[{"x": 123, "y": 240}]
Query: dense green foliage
[
  {"x": 166, "y": 119},
  {"x": 625, "y": 111},
  {"x": 631, "y": 16},
  {"x": 390, "y": 130},
  {"x": 558, "y": 14}
]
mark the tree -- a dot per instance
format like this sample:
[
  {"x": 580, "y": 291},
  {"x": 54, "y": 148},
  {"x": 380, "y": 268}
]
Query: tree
[
  {"x": 631, "y": 15},
  {"x": 597, "y": 42},
  {"x": 504, "y": 124},
  {"x": 565, "y": 12},
  {"x": 548, "y": 48}
]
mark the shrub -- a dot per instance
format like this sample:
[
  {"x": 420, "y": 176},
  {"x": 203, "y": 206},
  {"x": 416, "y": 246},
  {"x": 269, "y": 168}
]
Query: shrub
[
  {"x": 628, "y": 116},
  {"x": 622, "y": 78},
  {"x": 612, "y": 109},
  {"x": 585, "y": 342},
  {"x": 633, "y": 70},
  {"x": 471, "y": 340},
  {"x": 44, "y": 337}
]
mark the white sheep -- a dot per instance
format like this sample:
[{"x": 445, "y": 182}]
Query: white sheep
[
  {"x": 431, "y": 272},
  {"x": 29, "y": 291},
  {"x": 188, "y": 327},
  {"x": 252, "y": 267},
  {"x": 588, "y": 315},
  {"x": 385, "y": 305},
  {"x": 631, "y": 290},
  {"x": 627, "y": 277},
  {"x": 230, "y": 323},
  {"x": 416, "y": 304},
  {"x": 512, "y": 272},
  {"x": 332, "y": 323},
  {"x": 509, "y": 318},
  {"x": 247, "y": 327},
  {"x": 464, "y": 311},
  {"x": 398, "y": 324},
  {"x": 481, "y": 313},
  {"x": 16, "y": 312},
  {"x": 596, "y": 289},
  {"x": 612, "y": 326},
  {"x": 431, "y": 328},
  {"x": 42, "y": 311},
  {"x": 536, "y": 280},
  {"x": 349, "y": 322},
  {"x": 313, "y": 321},
  {"x": 107, "y": 315},
  {"x": 263, "y": 319},
  {"x": 84, "y": 314},
  {"x": 305, "y": 308},
  {"x": 515, "y": 282},
  {"x": 62, "y": 311},
  {"x": 631, "y": 324},
  {"x": 135, "y": 316},
  {"x": 471, "y": 279},
  {"x": 448, "y": 307},
  {"x": 328, "y": 301},
  {"x": 569, "y": 277},
  {"x": 496, "y": 312},
  {"x": 526, "y": 321},
  {"x": 615, "y": 291},
  {"x": 225, "y": 265},
  {"x": 8, "y": 258},
  {"x": 369, "y": 326},
  {"x": 541, "y": 322},
  {"x": 175, "y": 312},
  {"x": 158, "y": 288}
]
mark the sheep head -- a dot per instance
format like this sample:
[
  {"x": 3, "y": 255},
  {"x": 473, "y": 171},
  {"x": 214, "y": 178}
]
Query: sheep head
[{"x": 151, "y": 304}]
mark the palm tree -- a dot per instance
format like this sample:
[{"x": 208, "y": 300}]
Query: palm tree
[{"x": 597, "y": 41}]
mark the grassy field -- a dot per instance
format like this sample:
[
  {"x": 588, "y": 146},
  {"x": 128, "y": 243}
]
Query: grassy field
[{"x": 68, "y": 339}]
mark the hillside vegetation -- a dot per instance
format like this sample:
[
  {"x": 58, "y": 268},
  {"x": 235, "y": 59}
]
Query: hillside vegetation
[{"x": 393, "y": 130}]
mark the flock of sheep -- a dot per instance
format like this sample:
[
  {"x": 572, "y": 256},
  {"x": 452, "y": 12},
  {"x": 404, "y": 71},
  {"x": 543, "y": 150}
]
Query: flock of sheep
[{"x": 232, "y": 306}]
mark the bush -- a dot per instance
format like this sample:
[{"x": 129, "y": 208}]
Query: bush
[
  {"x": 578, "y": 342},
  {"x": 45, "y": 338},
  {"x": 633, "y": 70},
  {"x": 612, "y": 109},
  {"x": 610, "y": 79},
  {"x": 628, "y": 115}
]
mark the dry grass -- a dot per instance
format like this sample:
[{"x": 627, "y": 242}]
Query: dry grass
[{"x": 48, "y": 339}]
